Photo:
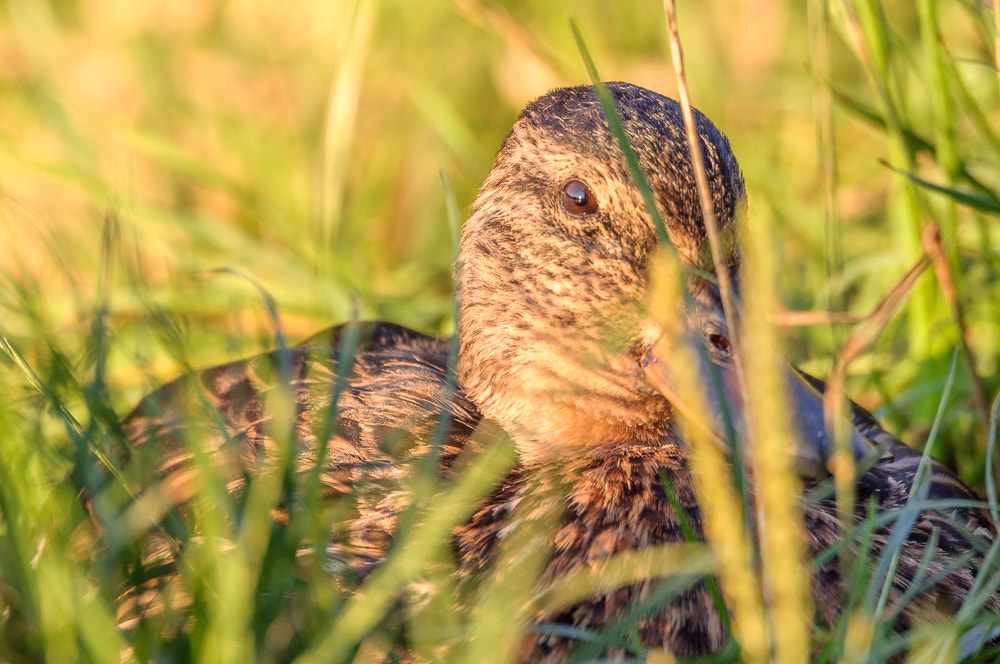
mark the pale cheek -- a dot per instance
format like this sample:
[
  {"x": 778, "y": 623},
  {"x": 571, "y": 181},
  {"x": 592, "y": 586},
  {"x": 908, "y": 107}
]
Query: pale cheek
[{"x": 649, "y": 333}]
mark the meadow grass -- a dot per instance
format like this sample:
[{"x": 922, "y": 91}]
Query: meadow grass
[{"x": 189, "y": 183}]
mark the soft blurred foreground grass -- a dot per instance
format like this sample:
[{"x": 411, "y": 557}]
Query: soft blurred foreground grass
[{"x": 164, "y": 164}]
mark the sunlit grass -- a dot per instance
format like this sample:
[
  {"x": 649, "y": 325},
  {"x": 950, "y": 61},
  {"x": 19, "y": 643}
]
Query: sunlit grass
[{"x": 151, "y": 153}]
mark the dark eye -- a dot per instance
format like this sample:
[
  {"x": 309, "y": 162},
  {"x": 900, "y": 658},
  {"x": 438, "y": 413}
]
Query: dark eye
[
  {"x": 578, "y": 199},
  {"x": 720, "y": 343}
]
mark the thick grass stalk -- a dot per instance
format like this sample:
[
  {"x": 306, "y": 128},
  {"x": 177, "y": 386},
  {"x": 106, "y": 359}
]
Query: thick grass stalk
[
  {"x": 229, "y": 637},
  {"x": 779, "y": 518},
  {"x": 723, "y": 524},
  {"x": 338, "y": 130},
  {"x": 996, "y": 38},
  {"x": 722, "y": 511},
  {"x": 819, "y": 45},
  {"x": 868, "y": 33},
  {"x": 945, "y": 149},
  {"x": 701, "y": 179}
]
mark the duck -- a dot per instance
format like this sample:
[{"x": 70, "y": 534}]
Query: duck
[{"x": 557, "y": 349}]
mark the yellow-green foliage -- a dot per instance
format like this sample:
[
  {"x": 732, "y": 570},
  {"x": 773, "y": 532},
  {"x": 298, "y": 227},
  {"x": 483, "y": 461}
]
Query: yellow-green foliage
[{"x": 177, "y": 176}]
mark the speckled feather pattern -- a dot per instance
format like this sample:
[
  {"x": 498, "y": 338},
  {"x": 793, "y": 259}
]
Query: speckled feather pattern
[
  {"x": 549, "y": 360},
  {"x": 552, "y": 320},
  {"x": 612, "y": 499}
]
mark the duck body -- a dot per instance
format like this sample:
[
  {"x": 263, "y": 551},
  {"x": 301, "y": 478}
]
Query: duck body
[
  {"x": 390, "y": 397},
  {"x": 611, "y": 500},
  {"x": 553, "y": 325}
]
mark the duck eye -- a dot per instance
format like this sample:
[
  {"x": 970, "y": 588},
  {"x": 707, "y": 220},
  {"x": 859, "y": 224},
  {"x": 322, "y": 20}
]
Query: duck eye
[
  {"x": 578, "y": 199},
  {"x": 720, "y": 343}
]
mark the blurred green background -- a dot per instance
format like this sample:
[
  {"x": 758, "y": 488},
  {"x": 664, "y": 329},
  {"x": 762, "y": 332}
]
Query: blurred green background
[{"x": 300, "y": 147}]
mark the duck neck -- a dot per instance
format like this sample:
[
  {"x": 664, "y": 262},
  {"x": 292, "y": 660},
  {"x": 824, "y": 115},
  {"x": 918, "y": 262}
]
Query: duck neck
[{"x": 562, "y": 405}]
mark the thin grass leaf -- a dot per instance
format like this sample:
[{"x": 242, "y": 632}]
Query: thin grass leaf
[
  {"x": 618, "y": 131},
  {"x": 338, "y": 130},
  {"x": 983, "y": 203},
  {"x": 885, "y": 568},
  {"x": 689, "y": 536},
  {"x": 992, "y": 461},
  {"x": 364, "y": 610}
]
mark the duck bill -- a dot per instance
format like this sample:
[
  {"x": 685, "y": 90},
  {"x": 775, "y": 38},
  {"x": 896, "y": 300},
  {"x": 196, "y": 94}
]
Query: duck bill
[
  {"x": 814, "y": 448},
  {"x": 722, "y": 407},
  {"x": 711, "y": 398}
]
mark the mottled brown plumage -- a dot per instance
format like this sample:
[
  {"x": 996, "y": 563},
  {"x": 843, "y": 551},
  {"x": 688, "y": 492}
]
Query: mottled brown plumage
[{"x": 554, "y": 321}]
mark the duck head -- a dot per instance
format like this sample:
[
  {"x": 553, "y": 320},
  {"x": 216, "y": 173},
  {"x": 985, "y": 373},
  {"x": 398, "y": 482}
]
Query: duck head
[
  {"x": 553, "y": 267},
  {"x": 556, "y": 334}
]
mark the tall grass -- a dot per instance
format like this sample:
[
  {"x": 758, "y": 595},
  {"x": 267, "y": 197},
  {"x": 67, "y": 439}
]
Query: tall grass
[{"x": 159, "y": 162}]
